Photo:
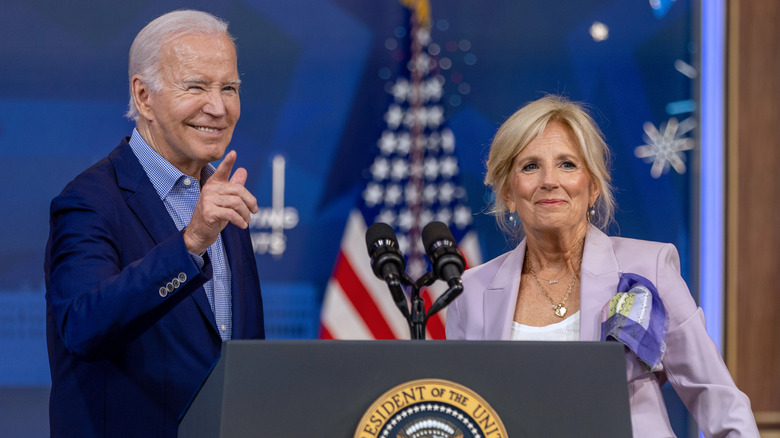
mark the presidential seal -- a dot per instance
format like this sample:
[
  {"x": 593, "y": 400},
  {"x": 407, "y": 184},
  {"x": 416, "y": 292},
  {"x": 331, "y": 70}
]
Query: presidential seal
[{"x": 430, "y": 408}]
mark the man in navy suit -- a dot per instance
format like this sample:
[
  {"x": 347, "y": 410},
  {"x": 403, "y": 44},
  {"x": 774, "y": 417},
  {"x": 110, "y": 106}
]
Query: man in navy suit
[{"x": 149, "y": 264}]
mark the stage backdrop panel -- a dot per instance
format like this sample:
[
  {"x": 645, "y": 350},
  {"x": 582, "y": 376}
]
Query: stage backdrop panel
[{"x": 317, "y": 80}]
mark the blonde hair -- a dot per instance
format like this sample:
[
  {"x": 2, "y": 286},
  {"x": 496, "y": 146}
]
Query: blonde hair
[{"x": 528, "y": 123}]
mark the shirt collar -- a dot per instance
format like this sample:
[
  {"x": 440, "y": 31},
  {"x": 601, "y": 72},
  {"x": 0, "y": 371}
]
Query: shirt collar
[{"x": 160, "y": 171}]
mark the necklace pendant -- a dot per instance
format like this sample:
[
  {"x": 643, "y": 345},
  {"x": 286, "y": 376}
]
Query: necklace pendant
[
  {"x": 553, "y": 281},
  {"x": 560, "y": 310}
]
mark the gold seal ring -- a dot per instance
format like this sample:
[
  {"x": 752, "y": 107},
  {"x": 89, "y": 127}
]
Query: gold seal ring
[{"x": 440, "y": 407}]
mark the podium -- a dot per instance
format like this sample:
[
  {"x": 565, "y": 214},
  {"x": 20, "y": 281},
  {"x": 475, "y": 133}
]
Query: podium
[{"x": 324, "y": 388}]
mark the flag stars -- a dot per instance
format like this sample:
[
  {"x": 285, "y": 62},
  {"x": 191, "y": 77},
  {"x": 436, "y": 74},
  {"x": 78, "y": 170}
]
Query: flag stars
[
  {"x": 387, "y": 143},
  {"x": 444, "y": 215},
  {"x": 412, "y": 194},
  {"x": 426, "y": 217},
  {"x": 446, "y": 192},
  {"x": 405, "y": 220},
  {"x": 447, "y": 141},
  {"x": 399, "y": 169},
  {"x": 432, "y": 90},
  {"x": 404, "y": 144},
  {"x": 412, "y": 178},
  {"x": 393, "y": 195},
  {"x": 387, "y": 216},
  {"x": 394, "y": 116},
  {"x": 403, "y": 243},
  {"x": 380, "y": 169},
  {"x": 435, "y": 116},
  {"x": 421, "y": 64},
  {"x": 462, "y": 217},
  {"x": 429, "y": 90},
  {"x": 415, "y": 117},
  {"x": 372, "y": 195},
  {"x": 433, "y": 141},
  {"x": 423, "y": 36},
  {"x": 401, "y": 90},
  {"x": 431, "y": 117},
  {"x": 448, "y": 167},
  {"x": 431, "y": 168},
  {"x": 430, "y": 194}
]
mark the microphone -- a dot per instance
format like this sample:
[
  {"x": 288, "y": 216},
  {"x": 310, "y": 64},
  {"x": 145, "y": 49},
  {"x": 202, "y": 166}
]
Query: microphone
[
  {"x": 387, "y": 262},
  {"x": 447, "y": 262},
  {"x": 386, "y": 258},
  {"x": 440, "y": 246}
]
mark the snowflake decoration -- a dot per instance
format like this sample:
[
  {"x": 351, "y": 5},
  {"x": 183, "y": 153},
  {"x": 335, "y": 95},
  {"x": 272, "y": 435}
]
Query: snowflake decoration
[{"x": 665, "y": 146}]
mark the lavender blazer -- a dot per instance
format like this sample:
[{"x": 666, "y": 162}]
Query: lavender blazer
[{"x": 692, "y": 362}]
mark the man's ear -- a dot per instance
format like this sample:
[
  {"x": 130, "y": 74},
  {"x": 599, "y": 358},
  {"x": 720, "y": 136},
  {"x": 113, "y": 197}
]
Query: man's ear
[{"x": 141, "y": 96}]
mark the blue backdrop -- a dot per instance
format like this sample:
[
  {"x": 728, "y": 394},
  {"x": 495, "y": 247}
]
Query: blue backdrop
[{"x": 314, "y": 75}]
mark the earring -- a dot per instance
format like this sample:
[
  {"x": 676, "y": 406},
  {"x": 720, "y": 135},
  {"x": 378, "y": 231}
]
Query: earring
[
  {"x": 513, "y": 218},
  {"x": 591, "y": 214}
]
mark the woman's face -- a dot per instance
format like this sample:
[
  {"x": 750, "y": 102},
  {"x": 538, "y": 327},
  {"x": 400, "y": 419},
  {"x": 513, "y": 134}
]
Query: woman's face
[{"x": 550, "y": 187}]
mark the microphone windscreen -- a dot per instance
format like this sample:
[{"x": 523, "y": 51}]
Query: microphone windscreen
[
  {"x": 435, "y": 232},
  {"x": 379, "y": 231}
]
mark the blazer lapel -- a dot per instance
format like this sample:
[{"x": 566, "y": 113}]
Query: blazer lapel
[
  {"x": 142, "y": 199},
  {"x": 231, "y": 239},
  {"x": 145, "y": 202},
  {"x": 501, "y": 296},
  {"x": 598, "y": 282}
]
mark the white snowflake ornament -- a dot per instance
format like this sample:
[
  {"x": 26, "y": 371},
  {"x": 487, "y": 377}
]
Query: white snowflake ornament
[{"x": 665, "y": 146}]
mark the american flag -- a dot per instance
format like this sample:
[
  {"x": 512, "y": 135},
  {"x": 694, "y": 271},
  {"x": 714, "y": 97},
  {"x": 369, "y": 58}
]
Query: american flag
[{"x": 412, "y": 181}]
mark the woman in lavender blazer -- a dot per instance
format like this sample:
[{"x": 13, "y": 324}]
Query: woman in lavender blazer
[{"x": 566, "y": 280}]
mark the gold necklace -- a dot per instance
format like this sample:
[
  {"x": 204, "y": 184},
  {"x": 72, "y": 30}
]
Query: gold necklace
[
  {"x": 560, "y": 308},
  {"x": 556, "y": 280}
]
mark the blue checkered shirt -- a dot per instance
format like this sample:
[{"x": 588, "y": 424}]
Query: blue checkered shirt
[{"x": 180, "y": 193}]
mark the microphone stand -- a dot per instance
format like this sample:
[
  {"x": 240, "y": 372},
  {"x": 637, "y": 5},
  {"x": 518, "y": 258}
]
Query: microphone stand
[{"x": 419, "y": 318}]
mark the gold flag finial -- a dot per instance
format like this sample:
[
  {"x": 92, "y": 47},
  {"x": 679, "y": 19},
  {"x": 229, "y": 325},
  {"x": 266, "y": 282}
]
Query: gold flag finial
[{"x": 421, "y": 8}]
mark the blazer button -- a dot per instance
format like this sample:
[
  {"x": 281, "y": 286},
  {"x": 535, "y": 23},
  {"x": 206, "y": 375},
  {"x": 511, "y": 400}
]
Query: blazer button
[
  {"x": 170, "y": 287},
  {"x": 182, "y": 277},
  {"x": 175, "y": 283},
  {"x": 163, "y": 292}
]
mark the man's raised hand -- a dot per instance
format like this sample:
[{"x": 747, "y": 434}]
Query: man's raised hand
[{"x": 222, "y": 200}]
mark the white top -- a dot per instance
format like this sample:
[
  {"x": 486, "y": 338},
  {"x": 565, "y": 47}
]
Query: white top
[{"x": 566, "y": 330}]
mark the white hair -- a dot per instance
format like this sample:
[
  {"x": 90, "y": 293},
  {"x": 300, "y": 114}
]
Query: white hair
[{"x": 144, "y": 59}]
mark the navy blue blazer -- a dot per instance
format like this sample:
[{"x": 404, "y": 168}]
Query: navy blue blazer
[{"x": 125, "y": 355}]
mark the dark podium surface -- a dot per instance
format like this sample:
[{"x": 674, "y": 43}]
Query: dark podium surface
[{"x": 323, "y": 388}]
